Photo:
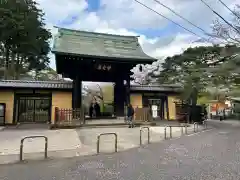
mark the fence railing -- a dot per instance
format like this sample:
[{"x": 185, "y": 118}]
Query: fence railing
[
  {"x": 33, "y": 137},
  {"x": 69, "y": 116},
  {"x": 107, "y": 134},
  {"x": 148, "y": 131}
]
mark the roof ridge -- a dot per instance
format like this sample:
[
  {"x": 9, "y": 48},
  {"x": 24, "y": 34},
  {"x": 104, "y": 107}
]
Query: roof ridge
[{"x": 97, "y": 33}]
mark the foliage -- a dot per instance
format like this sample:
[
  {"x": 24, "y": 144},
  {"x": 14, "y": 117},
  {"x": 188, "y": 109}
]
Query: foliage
[
  {"x": 231, "y": 35},
  {"x": 23, "y": 38},
  {"x": 47, "y": 74},
  {"x": 142, "y": 73},
  {"x": 197, "y": 68}
]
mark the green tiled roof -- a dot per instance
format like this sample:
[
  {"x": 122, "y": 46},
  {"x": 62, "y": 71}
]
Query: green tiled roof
[{"x": 99, "y": 45}]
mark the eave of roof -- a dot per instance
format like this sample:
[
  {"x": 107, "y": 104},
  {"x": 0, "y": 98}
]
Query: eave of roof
[
  {"x": 155, "y": 88},
  {"x": 68, "y": 85},
  {"x": 235, "y": 99},
  {"x": 35, "y": 84}
]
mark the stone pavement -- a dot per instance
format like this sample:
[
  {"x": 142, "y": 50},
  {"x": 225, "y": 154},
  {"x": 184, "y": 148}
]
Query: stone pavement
[
  {"x": 76, "y": 142},
  {"x": 233, "y": 122},
  {"x": 211, "y": 155},
  {"x": 57, "y": 140},
  {"x": 127, "y": 137}
]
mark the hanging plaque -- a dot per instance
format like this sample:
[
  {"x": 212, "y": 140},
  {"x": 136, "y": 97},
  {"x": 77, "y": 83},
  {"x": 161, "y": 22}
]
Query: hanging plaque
[{"x": 103, "y": 67}]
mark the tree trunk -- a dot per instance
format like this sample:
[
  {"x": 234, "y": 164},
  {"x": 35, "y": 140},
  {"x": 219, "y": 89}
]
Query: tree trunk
[
  {"x": 17, "y": 67},
  {"x": 6, "y": 61},
  {"x": 192, "y": 105},
  {"x": 194, "y": 96},
  {"x": 12, "y": 65}
]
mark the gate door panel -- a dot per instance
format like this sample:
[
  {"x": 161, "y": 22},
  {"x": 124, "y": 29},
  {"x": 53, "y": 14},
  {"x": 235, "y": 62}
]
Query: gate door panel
[
  {"x": 33, "y": 109},
  {"x": 2, "y": 113}
]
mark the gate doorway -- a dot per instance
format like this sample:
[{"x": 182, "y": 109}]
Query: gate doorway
[
  {"x": 157, "y": 108},
  {"x": 33, "y": 108}
]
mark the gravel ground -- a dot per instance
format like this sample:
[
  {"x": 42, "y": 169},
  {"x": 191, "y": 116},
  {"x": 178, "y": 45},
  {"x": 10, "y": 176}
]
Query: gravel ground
[{"x": 213, "y": 154}]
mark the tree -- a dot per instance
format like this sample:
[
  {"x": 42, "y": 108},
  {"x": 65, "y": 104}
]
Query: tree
[
  {"x": 232, "y": 35},
  {"x": 47, "y": 74},
  {"x": 229, "y": 33},
  {"x": 142, "y": 74},
  {"x": 23, "y": 38},
  {"x": 193, "y": 70}
]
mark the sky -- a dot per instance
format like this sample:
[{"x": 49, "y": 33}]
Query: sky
[{"x": 158, "y": 37}]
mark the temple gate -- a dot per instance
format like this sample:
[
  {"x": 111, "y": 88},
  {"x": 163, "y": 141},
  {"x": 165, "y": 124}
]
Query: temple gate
[{"x": 88, "y": 56}]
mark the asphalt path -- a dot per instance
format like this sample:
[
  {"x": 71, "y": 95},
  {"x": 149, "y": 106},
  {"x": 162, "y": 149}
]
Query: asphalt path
[{"x": 213, "y": 154}]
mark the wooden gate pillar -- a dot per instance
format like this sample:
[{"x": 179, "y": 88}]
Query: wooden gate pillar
[
  {"x": 127, "y": 91},
  {"x": 119, "y": 97},
  {"x": 167, "y": 108},
  {"x": 77, "y": 93}
]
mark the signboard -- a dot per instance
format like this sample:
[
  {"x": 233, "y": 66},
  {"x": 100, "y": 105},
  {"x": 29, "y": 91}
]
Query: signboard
[
  {"x": 103, "y": 67},
  {"x": 154, "y": 111}
]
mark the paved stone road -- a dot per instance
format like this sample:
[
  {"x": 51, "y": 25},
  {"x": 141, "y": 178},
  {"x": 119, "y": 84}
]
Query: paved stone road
[
  {"x": 75, "y": 142},
  {"x": 208, "y": 155}
]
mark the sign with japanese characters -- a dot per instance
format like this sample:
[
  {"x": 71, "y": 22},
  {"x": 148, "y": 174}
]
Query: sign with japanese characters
[{"x": 104, "y": 67}]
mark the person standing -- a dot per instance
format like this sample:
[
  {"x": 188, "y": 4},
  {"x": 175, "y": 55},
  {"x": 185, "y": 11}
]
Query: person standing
[
  {"x": 91, "y": 110},
  {"x": 130, "y": 114},
  {"x": 205, "y": 113},
  {"x": 97, "y": 109}
]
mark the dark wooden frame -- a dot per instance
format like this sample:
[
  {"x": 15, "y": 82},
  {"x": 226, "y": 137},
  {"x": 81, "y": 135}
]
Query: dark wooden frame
[
  {"x": 18, "y": 95},
  {"x": 4, "y": 114},
  {"x": 80, "y": 67}
]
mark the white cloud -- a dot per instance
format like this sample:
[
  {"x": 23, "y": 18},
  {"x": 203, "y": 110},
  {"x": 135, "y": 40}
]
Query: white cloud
[
  {"x": 117, "y": 17},
  {"x": 178, "y": 45},
  {"x": 58, "y": 10}
]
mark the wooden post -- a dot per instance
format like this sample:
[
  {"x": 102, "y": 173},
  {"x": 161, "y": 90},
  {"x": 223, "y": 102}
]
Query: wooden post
[
  {"x": 56, "y": 119},
  {"x": 128, "y": 91},
  {"x": 167, "y": 108},
  {"x": 119, "y": 97},
  {"x": 77, "y": 93}
]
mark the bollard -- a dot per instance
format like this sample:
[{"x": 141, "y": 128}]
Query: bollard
[
  {"x": 104, "y": 134},
  {"x": 185, "y": 128},
  {"x": 33, "y": 137},
  {"x": 205, "y": 124},
  {"x": 170, "y": 127},
  {"x": 181, "y": 130},
  {"x": 141, "y": 134},
  {"x": 195, "y": 126},
  {"x": 165, "y": 132},
  {"x": 140, "y": 137}
]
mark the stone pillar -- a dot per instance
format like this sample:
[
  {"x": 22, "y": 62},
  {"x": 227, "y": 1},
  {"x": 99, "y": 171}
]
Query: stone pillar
[
  {"x": 119, "y": 98},
  {"x": 77, "y": 93}
]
